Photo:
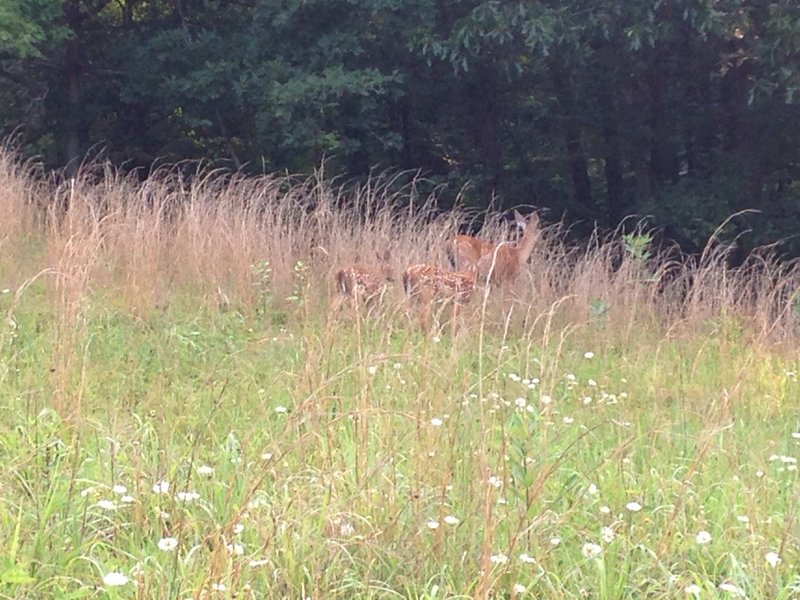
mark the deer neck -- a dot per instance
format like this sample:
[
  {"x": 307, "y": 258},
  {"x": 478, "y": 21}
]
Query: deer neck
[{"x": 525, "y": 245}]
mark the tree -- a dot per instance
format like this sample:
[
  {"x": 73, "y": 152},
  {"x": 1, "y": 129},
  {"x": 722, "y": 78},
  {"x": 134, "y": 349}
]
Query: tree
[{"x": 683, "y": 110}]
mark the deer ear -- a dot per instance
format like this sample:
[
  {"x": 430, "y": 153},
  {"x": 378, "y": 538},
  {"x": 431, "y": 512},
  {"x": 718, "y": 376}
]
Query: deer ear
[{"x": 520, "y": 220}]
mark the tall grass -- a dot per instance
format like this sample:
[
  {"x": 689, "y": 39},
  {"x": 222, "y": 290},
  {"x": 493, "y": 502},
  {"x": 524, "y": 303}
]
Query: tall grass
[
  {"x": 172, "y": 233},
  {"x": 178, "y": 408}
]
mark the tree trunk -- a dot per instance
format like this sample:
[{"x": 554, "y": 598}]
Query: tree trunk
[
  {"x": 613, "y": 169},
  {"x": 489, "y": 129},
  {"x": 226, "y": 136},
  {"x": 663, "y": 156},
  {"x": 73, "y": 141},
  {"x": 578, "y": 165}
]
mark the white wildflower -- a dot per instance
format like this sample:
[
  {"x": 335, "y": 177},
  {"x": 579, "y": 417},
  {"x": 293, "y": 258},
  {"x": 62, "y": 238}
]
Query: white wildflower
[
  {"x": 236, "y": 549},
  {"x": 115, "y": 579},
  {"x": 451, "y": 520},
  {"x": 607, "y": 534},
  {"x": 433, "y": 524},
  {"x": 519, "y": 588},
  {"x": 588, "y": 355},
  {"x": 772, "y": 559},
  {"x": 526, "y": 558},
  {"x": 692, "y": 589},
  {"x": 498, "y": 559},
  {"x": 257, "y": 502},
  {"x": 590, "y": 550},
  {"x": 346, "y": 529},
  {"x": 106, "y": 505},
  {"x": 187, "y": 496},
  {"x": 167, "y": 544},
  {"x": 633, "y": 506},
  {"x": 119, "y": 489},
  {"x": 731, "y": 589},
  {"x": 436, "y": 422},
  {"x": 162, "y": 487},
  {"x": 702, "y": 538},
  {"x": 205, "y": 470}
]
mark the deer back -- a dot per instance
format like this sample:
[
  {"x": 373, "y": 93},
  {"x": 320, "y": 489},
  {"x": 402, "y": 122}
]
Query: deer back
[
  {"x": 357, "y": 280},
  {"x": 465, "y": 251},
  {"x": 437, "y": 283}
]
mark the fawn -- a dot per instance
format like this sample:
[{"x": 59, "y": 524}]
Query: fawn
[
  {"x": 426, "y": 284},
  {"x": 362, "y": 285},
  {"x": 502, "y": 262}
]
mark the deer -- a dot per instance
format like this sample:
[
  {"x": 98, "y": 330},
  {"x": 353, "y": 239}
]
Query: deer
[
  {"x": 425, "y": 284},
  {"x": 361, "y": 285},
  {"x": 501, "y": 262}
]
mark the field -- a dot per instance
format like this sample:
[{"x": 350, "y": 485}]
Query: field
[{"x": 181, "y": 416}]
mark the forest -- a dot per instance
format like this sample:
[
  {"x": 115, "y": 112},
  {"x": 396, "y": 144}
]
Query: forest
[{"x": 680, "y": 113}]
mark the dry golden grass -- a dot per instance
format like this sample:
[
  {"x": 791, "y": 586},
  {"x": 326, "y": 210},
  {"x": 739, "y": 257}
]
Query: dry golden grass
[{"x": 212, "y": 234}]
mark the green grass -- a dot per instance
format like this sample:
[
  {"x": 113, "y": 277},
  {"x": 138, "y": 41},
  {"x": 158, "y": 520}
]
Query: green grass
[{"x": 338, "y": 448}]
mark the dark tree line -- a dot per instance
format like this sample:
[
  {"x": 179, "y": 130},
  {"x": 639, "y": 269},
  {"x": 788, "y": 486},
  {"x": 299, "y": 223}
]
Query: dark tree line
[{"x": 680, "y": 109}]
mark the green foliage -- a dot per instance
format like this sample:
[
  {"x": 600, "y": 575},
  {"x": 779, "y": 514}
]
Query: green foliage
[
  {"x": 796, "y": 305},
  {"x": 637, "y": 246},
  {"x": 300, "y": 282},
  {"x": 684, "y": 110},
  {"x": 598, "y": 309},
  {"x": 25, "y": 25},
  {"x": 262, "y": 284}
]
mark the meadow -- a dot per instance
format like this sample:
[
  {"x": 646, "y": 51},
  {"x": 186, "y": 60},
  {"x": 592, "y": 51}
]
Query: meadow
[{"x": 182, "y": 417}]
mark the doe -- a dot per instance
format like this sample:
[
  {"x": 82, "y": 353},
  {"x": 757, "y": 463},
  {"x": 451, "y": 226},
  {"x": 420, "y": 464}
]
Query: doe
[{"x": 500, "y": 261}]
